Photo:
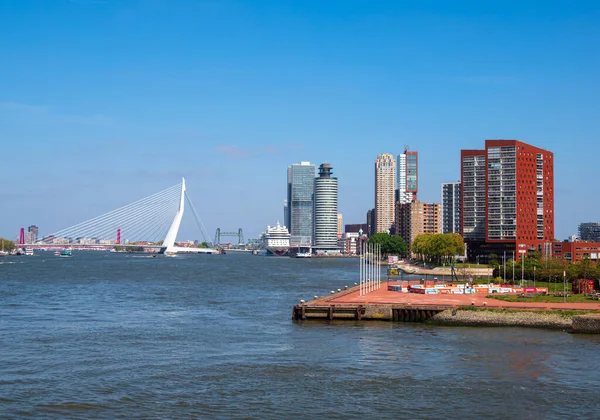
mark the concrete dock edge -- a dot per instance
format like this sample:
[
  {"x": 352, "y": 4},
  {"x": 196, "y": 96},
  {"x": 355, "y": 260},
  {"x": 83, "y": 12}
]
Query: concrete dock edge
[{"x": 586, "y": 324}]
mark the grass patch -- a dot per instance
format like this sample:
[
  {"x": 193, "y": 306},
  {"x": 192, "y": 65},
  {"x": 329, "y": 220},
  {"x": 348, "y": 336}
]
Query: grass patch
[
  {"x": 565, "y": 313},
  {"x": 548, "y": 298},
  {"x": 551, "y": 286}
]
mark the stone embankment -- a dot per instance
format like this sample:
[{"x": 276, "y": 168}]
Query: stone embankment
[
  {"x": 587, "y": 324},
  {"x": 503, "y": 318}
]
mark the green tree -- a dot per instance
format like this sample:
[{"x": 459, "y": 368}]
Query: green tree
[
  {"x": 397, "y": 245},
  {"x": 435, "y": 248},
  {"x": 459, "y": 243},
  {"x": 451, "y": 244},
  {"x": 494, "y": 260},
  {"x": 586, "y": 270},
  {"x": 8, "y": 245},
  {"x": 438, "y": 247},
  {"x": 421, "y": 245},
  {"x": 202, "y": 245},
  {"x": 133, "y": 248},
  {"x": 390, "y": 244},
  {"x": 534, "y": 257}
]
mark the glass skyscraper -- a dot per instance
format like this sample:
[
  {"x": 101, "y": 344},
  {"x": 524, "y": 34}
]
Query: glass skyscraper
[
  {"x": 407, "y": 181},
  {"x": 589, "y": 231},
  {"x": 301, "y": 189},
  {"x": 326, "y": 209}
]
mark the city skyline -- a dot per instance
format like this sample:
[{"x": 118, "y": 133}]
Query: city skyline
[
  {"x": 248, "y": 86},
  {"x": 187, "y": 236}
]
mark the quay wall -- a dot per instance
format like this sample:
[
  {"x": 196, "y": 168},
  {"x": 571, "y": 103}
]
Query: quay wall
[
  {"x": 586, "y": 324},
  {"x": 476, "y": 317},
  {"x": 378, "y": 312},
  {"x": 501, "y": 318}
]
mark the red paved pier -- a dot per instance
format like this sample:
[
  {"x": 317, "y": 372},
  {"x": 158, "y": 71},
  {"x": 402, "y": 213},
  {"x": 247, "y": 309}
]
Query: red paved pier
[{"x": 382, "y": 296}]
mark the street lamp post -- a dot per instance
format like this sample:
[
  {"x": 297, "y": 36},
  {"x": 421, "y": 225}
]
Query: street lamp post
[
  {"x": 504, "y": 263},
  {"x": 513, "y": 261},
  {"x": 565, "y": 286},
  {"x": 522, "y": 269}
]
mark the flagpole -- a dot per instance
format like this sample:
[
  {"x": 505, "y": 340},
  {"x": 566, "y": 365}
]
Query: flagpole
[
  {"x": 362, "y": 254},
  {"x": 360, "y": 272},
  {"x": 370, "y": 265},
  {"x": 378, "y": 266}
]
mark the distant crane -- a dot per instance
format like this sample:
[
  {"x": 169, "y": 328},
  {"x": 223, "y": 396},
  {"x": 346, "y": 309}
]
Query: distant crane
[{"x": 219, "y": 235}]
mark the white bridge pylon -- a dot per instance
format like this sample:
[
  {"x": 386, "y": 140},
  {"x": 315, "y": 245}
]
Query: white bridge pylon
[{"x": 169, "y": 247}]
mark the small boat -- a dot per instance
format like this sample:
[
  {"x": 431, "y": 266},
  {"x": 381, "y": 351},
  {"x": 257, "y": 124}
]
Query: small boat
[
  {"x": 303, "y": 254},
  {"x": 28, "y": 251},
  {"x": 66, "y": 253},
  {"x": 57, "y": 253}
]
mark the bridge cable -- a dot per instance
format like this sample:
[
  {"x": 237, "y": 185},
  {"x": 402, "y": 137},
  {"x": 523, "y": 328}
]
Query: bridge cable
[
  {"x": 106, "y": 225},
  {"x": 147, "y": 217},
  {"x": 197, "y": 218}
]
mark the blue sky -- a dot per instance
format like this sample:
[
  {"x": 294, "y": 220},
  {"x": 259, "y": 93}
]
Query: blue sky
[{"x": 104, "y": 102}]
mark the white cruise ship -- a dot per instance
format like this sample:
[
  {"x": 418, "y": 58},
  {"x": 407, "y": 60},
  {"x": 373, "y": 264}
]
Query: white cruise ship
[{"x": 276, "y": 240}]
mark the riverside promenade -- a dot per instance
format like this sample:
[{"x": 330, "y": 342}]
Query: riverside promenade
[
  {"x": 386, "y": 305},
  {"x": 444, "y": 271},
  {"x": 383, "y": 296}
]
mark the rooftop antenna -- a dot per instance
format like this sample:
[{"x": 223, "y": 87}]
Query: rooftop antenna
[{"x": 405, "y": 148}]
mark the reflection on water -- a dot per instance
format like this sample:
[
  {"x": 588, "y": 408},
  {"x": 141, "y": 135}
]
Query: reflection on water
[{"x": 108, "y": 335}]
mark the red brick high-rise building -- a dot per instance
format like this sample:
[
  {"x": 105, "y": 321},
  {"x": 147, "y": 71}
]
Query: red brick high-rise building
[
  {"x": 416, "y": 218},
  {"x": 515, "y": 213}
]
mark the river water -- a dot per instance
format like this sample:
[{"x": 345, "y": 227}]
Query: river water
[{"x": 103, "y": 335}]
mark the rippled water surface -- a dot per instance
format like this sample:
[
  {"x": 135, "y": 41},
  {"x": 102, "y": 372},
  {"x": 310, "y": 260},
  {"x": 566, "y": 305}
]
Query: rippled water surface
[{"x": 109, "y": 336}]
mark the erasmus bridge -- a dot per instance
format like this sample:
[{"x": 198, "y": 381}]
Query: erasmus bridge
[{"x": 152, "y": 222}]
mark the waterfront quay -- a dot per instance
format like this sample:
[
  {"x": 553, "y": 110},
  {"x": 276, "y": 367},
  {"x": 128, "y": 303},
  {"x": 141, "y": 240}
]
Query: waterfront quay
[
  {"x": 441, "y": 271},
  {"x": 387, "y": 304}
]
